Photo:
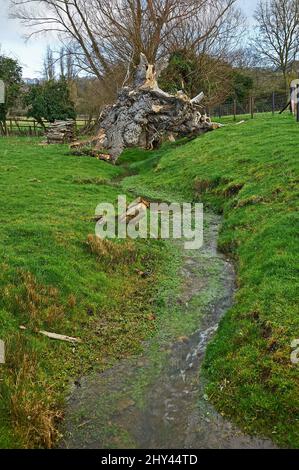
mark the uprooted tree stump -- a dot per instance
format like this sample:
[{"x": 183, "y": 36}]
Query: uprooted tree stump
[{"x": 144, "y": 116}]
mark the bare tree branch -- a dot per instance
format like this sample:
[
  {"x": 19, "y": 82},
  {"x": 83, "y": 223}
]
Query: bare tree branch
[
  {"x": 104, "y": 33},
  {"x": 277, "y": 38}
]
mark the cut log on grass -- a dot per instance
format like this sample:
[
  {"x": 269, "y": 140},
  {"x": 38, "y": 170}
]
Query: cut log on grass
[
  {"x": 135, "y": 209},
  {"x": 144, "y": 116}
]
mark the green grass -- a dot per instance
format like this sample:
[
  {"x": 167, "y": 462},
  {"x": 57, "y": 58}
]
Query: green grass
[
  {"x": 53, "y": 277},
  {"x": 243, "y": 117},
  {"x": 249, "y": 173}
]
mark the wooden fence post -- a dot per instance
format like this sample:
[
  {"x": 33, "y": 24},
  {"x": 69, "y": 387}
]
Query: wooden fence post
[
  {"x": 235, "y": 109},
  {"x": 251, "y": 106},
  {"x": 273, "y": 103}
]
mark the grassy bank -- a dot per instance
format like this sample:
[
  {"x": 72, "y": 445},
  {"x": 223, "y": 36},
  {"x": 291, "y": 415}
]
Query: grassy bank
[
  {"x": 249, "y": 173},
  {"x": 55, "y": 277}
]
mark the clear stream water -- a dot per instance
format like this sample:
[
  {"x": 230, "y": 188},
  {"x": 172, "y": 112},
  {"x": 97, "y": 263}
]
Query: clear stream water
[{"x": 157, "y": 400}]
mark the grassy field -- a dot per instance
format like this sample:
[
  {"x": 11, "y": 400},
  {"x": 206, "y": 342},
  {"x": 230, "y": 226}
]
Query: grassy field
[
  {"x": 250, "y": 174},
  {"x": 54, "y": 277}
]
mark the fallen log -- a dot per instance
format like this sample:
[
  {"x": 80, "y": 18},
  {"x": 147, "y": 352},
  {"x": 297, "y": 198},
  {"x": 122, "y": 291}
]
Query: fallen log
[{"x": 61, "y": 132}]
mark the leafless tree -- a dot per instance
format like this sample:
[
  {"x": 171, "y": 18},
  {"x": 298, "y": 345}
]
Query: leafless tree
[
  {"x": 211, "y": 38},
  {"x": 67, "y": 65},
  {"x": 215, "y": 29},
  {"x": 73, "y": 21},
  {"x": 107, "y": 32},
  {"x": 49, "y": 65},
  {"x": 277, "y": 40}
]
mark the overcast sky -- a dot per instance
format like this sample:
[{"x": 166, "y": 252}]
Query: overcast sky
[{"x": 30, "y": 54}]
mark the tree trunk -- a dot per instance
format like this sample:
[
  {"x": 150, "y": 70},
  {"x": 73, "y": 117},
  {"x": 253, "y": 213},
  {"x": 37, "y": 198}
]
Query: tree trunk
[{"x": 145, "y": 116}]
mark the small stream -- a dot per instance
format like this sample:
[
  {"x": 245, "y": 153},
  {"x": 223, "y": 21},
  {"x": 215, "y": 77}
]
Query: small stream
[{"x": 157, "y": 400}]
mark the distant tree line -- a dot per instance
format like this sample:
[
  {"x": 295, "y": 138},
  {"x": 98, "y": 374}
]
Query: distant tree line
[
  {"x": 11, "y": 74},
  {"x": 48, "y": 100},
  {"x": 204, "y": 41},
  {"x": 105, "y": 38}
]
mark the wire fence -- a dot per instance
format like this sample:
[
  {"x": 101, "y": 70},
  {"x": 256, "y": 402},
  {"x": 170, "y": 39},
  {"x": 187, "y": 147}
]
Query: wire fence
[{"x": 270, "y": 103}]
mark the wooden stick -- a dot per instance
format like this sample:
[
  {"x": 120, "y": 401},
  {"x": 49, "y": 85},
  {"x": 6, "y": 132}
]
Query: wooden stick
[
  {"x": 286, "y": 106},
  {"x": 68, "y": 339}
]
